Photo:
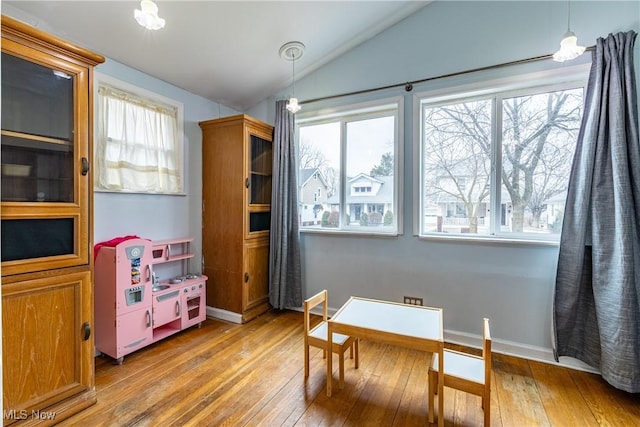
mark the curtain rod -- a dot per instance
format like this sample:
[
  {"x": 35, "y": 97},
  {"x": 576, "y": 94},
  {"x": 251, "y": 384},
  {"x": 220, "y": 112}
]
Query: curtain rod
[{"x": 408, "y": 86}]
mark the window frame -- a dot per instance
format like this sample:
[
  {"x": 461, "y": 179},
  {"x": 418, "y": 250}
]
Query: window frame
[
  {"x": 105, "y": 80},
  {"x": 518, "y": 84},
  {"x": 352, "y": 112}
]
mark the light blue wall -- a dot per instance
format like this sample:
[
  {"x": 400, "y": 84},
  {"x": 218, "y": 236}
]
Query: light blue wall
[
  {"x": 511, "y": 284},
  {"x": 160, "y": 217}
]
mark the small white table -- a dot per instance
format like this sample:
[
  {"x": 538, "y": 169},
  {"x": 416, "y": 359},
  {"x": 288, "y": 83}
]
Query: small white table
[{"x": 404, "y": 325}]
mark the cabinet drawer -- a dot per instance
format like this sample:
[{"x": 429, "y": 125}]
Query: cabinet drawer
[{"x": 167, "y": 307}]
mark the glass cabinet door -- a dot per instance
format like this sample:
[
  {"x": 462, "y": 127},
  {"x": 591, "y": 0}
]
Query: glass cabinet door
[
  {"x": 42, "y": 155},
  {"x": 261, "y": 166},
  {"x": 37, "y": 132},
  {"x": 260, "y": 169}
]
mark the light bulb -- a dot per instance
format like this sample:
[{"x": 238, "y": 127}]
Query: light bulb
[
  {"x": 569, "y": 48},
  {"x": 293, "y": 105},
  {"x": 147, "y": 15}
]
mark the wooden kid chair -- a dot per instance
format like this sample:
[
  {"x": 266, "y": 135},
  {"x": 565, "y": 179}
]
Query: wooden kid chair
[
  {"x": 466, "y": 372},
  {"x": 316, "y": 336}
]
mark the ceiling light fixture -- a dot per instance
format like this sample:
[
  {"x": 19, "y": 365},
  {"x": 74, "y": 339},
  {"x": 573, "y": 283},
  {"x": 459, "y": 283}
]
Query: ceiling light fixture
[
  {"x": 569, "y": 48},
  {"x": 290, "y": 52},
  {"x": 147, "y": 16}
]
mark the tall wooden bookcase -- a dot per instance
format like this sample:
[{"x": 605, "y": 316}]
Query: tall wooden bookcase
[
  {"x": 46, "y": 236},
  {"x": 237, "y": 157}
]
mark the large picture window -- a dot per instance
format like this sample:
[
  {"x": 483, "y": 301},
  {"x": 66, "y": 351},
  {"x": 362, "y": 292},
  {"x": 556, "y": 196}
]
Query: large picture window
[
  {"x": 138, "y": 143},
  {"x": 350, "y": 167},
  {"x": 497, "y": 165}
]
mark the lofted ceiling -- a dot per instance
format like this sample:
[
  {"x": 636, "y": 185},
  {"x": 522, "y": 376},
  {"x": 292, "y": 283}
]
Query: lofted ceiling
[{"x": 225, "y": 51}]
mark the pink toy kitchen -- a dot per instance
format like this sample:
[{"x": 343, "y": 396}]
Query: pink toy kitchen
[{"x": 144, "y": 292}]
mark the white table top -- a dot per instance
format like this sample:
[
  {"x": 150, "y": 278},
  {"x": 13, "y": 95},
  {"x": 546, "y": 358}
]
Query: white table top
[{"x": 400, "y": 319}]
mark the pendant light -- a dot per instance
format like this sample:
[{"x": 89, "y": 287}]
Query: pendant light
[
  {"x": 569, "y": 48},
  {"x": 290, "y": 52},
  {"x": 147, "y": 15}
]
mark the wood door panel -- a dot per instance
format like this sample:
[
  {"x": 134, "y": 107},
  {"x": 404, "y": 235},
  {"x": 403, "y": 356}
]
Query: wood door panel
[
  {"x": 257, "y": 268},
  {"x": 45, "y": 358}
]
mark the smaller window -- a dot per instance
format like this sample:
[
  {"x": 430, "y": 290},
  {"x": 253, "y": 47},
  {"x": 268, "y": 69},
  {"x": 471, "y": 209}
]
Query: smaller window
[
  {"x": 138, "y": 141},
  {"x": 355, "y": 150}
]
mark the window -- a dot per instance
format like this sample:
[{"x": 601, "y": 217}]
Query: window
[
  {"x": 354, "y": 152},
  {"x": 498, "y": 164},
  {"x": 138, "y": 142}
]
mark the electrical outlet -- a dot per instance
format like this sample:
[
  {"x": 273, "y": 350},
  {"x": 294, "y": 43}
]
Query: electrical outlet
[{"x": 413, "y": 300}]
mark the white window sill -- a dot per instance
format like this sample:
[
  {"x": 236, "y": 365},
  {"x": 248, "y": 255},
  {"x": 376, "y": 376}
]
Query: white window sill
[
  {"x": 491, "y": 240},
  {"x": 347, "y": 233}
]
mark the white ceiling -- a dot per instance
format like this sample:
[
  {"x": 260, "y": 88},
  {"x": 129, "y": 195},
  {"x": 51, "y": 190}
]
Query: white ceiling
[{"x": 226, "y": 51}]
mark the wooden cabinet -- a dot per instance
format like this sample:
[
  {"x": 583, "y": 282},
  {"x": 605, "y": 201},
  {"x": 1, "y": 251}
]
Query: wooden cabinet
[
  {"x": 46, "y": 239},
  {"x": 237, "y": 157}
]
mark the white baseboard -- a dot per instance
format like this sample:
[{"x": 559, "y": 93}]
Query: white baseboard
[
  {"x": 221, "y": 314},
  {"x": 524, "y": 351}
]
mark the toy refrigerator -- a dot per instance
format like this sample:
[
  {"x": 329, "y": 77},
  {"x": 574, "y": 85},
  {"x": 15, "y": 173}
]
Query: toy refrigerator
[{"x": 123, "y": 293}]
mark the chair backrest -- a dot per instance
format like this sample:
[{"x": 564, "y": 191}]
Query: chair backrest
[
  {"x": 310, "y": 303},
  {"x": 486, "y": 350}
]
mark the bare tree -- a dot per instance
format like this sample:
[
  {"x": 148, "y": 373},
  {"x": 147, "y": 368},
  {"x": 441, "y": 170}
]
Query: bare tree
[
  {"x": 538, "y": 134},
  {"x": 312, "y": 157},
  {"x": 456, "y": 142}
]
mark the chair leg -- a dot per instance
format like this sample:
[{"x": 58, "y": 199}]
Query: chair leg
[
  {"x": 357, "y": 351},
  {"x": 433, "y": 387},
  {"x": 306, "y": 361},
  {"x": 486, "y": 403},
  {"x": 341, "y": 369}
]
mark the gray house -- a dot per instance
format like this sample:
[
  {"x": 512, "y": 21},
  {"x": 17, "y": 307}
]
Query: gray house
[{"x": 312, "y": 198}]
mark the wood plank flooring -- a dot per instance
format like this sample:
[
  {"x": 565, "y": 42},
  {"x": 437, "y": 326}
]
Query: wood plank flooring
[{"x": 225, "y": 374}]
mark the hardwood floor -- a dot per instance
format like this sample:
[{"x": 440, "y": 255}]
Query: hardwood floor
[{"x": 225, "y": 374}]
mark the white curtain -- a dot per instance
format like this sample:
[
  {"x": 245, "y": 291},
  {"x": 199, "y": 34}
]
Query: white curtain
[{"x": 137, "y": 146}]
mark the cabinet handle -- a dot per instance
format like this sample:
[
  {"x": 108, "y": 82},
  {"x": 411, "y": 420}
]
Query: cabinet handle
[
  {"x": 178, "y": 308},
  {"x": 247, "y": 182},
  {"x": 246, "y": 277},
  {"x": 168, "y": 251},
  {"x": 148, "y": 319},
  {"x": 86, "y": 331},
  {"x": 85, "y": 166}
]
